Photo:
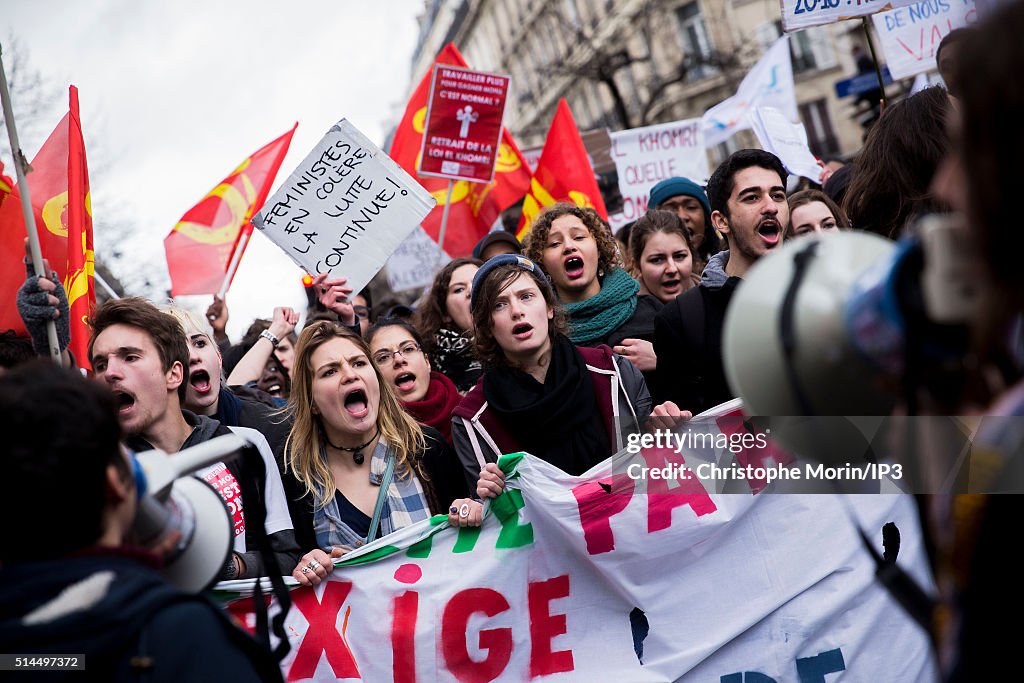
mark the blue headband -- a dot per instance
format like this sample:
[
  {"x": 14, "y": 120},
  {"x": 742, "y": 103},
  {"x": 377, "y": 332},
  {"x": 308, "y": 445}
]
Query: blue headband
[{"x": 503, "y": 260}]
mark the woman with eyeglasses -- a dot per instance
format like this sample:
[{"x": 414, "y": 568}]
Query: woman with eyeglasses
[
  {"x": 359, "y": 467},
  {"x": 430, "y": 397}
]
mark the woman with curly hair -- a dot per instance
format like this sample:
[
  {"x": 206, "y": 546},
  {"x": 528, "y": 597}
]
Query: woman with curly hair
[
  {"x": 577, "y": 251},
  {"x": 358, "y": 466},
  {"x": 446, "y": 325}
]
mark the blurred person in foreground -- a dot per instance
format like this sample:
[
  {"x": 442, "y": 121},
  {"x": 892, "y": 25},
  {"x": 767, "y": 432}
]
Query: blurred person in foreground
[
  {"x": 980, "y": 179},
  {"x": 69, "y": 582}
]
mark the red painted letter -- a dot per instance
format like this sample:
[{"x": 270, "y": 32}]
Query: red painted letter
[
  {"x": 598, "y": 502},
  {"x": 497, "y": 642},
  {"x": 323, "y": 636},
  {"x": 661, "y": 500},
  {"x": 544, "y": 626},
  {"x": 403, "y": 636}
]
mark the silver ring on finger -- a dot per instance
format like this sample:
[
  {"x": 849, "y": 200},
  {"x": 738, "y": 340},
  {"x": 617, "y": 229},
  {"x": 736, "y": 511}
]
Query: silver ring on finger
[
  {"x": 305, "y": 570},
  {"x": 464, "y": 510},
  {"x": 314, "y": 565}
]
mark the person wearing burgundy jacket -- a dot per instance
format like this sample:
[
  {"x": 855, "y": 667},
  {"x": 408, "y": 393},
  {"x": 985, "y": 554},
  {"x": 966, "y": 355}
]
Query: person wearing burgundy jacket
[{"x": 571, "y": 406}]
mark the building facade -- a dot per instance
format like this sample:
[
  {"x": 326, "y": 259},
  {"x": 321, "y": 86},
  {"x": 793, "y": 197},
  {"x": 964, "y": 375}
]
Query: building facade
[{"x": 629, "y": 63}]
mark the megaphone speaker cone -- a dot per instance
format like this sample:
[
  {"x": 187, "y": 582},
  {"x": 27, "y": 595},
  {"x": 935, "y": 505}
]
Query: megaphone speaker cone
[
  {"x": 207, "y": 536},
  {"x": 799, "y": 361}
]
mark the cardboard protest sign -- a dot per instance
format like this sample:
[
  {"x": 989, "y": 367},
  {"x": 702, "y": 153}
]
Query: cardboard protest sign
[
  {"x": 463, "y": 130},
  {"x": 645, "y": 156},
  {"x": 798, "y": 14},
  {"x": 415, "y": 262},
  {"x": 786, "y": 140},
  {"x": 609, "y": 577},
  {"x": 910, "y": 35},
  {"x": 345, "y": 208}
]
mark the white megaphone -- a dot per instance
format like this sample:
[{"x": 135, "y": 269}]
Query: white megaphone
[{"x": 172, "y": 500}]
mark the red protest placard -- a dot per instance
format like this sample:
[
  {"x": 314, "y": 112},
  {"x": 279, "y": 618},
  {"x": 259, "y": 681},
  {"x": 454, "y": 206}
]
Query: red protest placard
[{"x": 463, "y": 128}]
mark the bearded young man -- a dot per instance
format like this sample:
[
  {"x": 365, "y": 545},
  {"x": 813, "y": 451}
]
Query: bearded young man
[{"x": 747, "y": 194}]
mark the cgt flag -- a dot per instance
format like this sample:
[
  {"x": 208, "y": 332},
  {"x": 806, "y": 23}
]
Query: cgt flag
[
  {"x": 202, "y": 244},
  {"x": 475, "y": 206},
  {"x": 564, "y": 172},
  {"x": 59, "y": 185}
]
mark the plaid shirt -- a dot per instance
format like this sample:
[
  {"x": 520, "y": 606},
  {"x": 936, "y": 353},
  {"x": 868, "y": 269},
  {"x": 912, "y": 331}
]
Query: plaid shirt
[{"x": 404, "y": 505}]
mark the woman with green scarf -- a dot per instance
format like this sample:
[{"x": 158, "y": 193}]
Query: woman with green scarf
[{"x": 578, "y": 253}]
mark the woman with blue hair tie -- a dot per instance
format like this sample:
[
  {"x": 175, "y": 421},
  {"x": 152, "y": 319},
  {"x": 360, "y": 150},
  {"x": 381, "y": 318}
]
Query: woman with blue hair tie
[{"x": 569, "y": 405}]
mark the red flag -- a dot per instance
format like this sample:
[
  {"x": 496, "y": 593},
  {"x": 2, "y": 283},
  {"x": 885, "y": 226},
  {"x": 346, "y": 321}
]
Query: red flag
[
  {"x": 6, "y": 185},
  {"x": 475, "y": 206},
  {"x": 79, "y": 280},
  {"x": 564, "y": 172},
  {"x": 59, "y": 186},
  {"x": 200, "y": 247},
  {"x": 12, "y": 248}
]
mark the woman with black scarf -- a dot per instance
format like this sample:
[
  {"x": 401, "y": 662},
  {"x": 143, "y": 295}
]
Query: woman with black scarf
[{"x": 571, "y": 406}]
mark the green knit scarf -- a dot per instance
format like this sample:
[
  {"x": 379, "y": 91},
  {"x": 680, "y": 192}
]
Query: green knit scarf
[{"x": 600, "y": 315}]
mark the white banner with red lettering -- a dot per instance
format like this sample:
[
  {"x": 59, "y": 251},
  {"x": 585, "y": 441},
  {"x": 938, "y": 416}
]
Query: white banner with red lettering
[
  {"x": 577, "y": 579},
  {"x": 646, "y": 156}
]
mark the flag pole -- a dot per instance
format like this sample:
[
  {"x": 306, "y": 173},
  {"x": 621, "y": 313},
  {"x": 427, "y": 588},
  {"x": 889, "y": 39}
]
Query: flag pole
[
  {"x": 20, "y": 164},
  {"x": 243, "y": 241},
  {"x": 103, "y": 283},
  {"x": 444, "y": 222},
  {"x": 874, "y": 59}
]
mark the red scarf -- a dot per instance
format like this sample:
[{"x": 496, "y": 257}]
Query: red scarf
[{"x": 435, "y": 410}]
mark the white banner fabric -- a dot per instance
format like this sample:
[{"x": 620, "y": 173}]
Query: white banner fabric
[
  {"x": 910, "y": 35},
  {"x": 583, "y": 579},
  {"x": 645, "y": 156}
]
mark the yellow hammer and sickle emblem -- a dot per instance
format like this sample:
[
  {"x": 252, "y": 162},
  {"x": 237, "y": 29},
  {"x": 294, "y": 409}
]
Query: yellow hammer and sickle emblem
[
  {"x": 507, "y": 160},
  {"x": 419, "y": 120},
  {"x": 55, "y": 214},
  {"x": 459, "y": 192},
  {"x": 238, "y": 205}
]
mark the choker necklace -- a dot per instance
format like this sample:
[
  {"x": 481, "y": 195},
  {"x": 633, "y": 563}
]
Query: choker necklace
[{"x": 357, "y": 451}]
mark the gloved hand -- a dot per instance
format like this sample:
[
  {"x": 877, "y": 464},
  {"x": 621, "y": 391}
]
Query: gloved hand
[{"x": 41, "y": 300}]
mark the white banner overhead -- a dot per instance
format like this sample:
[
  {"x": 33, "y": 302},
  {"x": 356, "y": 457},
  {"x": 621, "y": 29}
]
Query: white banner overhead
[
  {"x": 910, "y": 35},
  {"x": 645, "y": 156},
  {"x": 798, "y": 14},
  {"x": 787, "y": 141},
  {"x": 345, "y": 209},
  {"x": 768, "y": 84}
]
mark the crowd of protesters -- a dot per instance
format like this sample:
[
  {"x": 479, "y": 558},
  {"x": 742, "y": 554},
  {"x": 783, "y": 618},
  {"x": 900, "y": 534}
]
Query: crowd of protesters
[{"x": 368, "y": 421}]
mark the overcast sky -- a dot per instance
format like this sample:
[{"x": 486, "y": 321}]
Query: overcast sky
[{"x": 174, "y": 95}]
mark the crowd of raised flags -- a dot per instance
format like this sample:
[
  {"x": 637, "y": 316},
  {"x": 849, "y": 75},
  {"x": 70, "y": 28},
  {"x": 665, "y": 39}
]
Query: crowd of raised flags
[{"x": 204, "y": 248}]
